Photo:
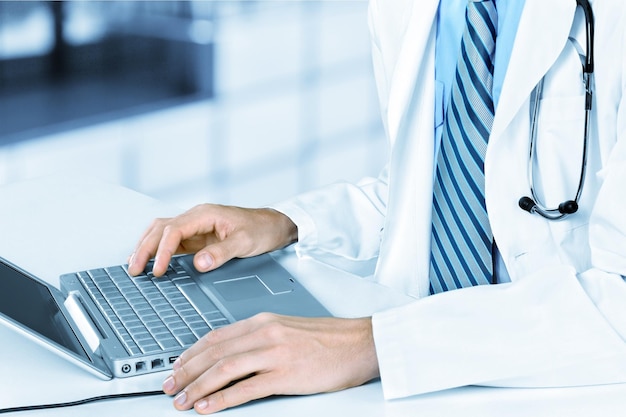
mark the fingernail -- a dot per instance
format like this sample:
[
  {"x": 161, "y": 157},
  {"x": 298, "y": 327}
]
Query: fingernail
[
  {"x": 169, "y": 384},
  {"x": 181, "y": 398},
  {"x": 202, "y": 405},
  {"x": 205, "y": 261}
]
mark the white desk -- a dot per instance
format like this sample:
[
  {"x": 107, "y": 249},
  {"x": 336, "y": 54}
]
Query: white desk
[{"x": 62, "y": 224}]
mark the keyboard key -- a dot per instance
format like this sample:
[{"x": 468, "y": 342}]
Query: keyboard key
[
  {"x": 213, "y": 316},
  {"x": 197, "y": 298},
  {"x": 169, "y": 343},
  {"x": 178, "y": 268},
  {"x": 200, "y": 330},
  {"x": 142, "y": 337},
  {"x": 187, "y": 340},
  {"x": 193, "y": 319},
  {"x": 151, "y": 348},
  {"x": 134, "y": 350}
]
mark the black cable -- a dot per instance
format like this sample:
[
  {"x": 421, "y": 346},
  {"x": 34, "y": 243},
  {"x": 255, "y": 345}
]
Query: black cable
[{"x": 80, "y": 402}]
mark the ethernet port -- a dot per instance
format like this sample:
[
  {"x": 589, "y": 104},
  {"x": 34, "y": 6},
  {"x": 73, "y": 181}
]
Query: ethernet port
[{"x": 157, "y": 363}]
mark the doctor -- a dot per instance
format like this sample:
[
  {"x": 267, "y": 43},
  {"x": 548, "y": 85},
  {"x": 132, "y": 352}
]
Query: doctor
[{"x": 558, "y": 314}]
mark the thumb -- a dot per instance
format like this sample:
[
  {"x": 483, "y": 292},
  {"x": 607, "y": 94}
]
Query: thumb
[
  {"x": 203, "y": 261},
  {"x": 215, "y": 255}
]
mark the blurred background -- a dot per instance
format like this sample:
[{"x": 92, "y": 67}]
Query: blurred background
[{"x": 233, "y": 102}]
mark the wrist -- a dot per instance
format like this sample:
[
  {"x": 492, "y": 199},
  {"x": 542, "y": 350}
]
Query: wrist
[{"x": 285, "y": 229}]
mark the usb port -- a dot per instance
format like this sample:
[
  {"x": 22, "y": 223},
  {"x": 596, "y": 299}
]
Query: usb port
[
  {"x": 172, "y": 359},
  {"x": 157, "y": 363}
]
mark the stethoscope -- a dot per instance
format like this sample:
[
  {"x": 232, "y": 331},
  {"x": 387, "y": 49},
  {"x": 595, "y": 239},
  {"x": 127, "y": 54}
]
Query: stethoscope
[{"x": 533, "y": 204}]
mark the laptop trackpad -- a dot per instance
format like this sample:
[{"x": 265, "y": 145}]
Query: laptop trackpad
[{"x": 242, "y": 288}]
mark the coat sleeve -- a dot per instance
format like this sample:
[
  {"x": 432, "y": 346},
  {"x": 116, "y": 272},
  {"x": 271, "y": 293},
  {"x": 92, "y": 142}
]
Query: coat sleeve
[{"x": 341, "y": 224}]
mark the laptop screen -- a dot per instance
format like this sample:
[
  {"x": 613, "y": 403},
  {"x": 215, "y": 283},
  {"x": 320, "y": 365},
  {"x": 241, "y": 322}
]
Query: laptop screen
[{"x": 31, "y": 304}]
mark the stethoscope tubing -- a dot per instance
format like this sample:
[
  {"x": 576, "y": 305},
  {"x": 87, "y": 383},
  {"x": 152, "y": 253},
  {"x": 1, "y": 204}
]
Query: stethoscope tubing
[{"x": 534, "y": 205}]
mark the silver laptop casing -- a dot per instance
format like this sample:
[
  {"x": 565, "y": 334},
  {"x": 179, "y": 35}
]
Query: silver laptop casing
[
  {"x": 240, "y": 289},
  {"x": 90, "y": 361}
]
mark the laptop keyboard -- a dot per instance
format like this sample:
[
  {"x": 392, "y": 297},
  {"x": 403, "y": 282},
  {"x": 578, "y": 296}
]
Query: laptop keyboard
[{"x": 151, "y": 314}]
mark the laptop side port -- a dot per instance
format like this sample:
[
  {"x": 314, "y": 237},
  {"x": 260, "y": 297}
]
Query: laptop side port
[
  {"x": 140, "y": 366},
  {"x": 172, "y": 359},
  {"x": 157, "y": 363}
]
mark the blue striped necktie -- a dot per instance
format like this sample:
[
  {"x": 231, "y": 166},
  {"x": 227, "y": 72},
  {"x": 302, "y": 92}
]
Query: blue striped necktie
[{"x": 461, "y": 247}]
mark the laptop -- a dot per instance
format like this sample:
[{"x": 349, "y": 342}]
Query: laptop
[{"x": 115, "y": 325}]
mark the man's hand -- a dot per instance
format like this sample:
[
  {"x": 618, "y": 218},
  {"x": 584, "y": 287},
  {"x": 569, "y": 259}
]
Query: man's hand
[
  {"x": 272, "y": 355},
  {"x": 217, "y": 233}
]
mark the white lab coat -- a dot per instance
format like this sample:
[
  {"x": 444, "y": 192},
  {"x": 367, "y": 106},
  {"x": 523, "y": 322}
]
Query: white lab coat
[{"x": 562, "y": 320}]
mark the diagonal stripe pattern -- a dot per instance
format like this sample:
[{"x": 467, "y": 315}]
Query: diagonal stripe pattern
[{"x": 461, "y": 237}]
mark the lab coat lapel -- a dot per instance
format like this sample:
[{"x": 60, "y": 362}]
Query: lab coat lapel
[
  {"x": 407, "y": 67},
  {"x": 405, "y": 247},
  {"x": 539, "y": 41}
]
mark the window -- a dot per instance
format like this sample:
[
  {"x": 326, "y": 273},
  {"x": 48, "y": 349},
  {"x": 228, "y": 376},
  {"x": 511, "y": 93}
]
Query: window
[{"x": 67, "y": 63}]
